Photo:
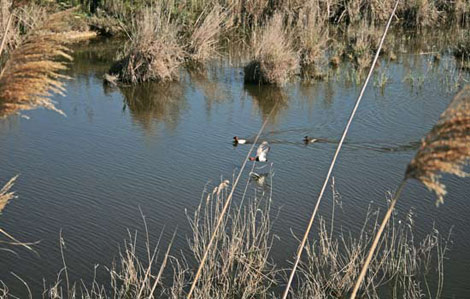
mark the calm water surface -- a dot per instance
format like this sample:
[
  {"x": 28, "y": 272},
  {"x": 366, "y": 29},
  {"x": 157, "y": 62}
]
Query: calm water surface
[{"x": 156, "y": 147}]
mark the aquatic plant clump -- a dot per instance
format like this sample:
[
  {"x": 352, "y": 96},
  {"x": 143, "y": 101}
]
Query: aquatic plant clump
[
  {"x": 204, "y": 39},
  {"x": 275, "y": 60},
  {"x": 153, "y": 53}
]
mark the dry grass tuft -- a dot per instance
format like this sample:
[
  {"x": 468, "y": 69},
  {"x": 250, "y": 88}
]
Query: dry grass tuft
[
  {"x": 203, "y": 41},
  {"x": 445, "y": 149},
  {"x": 31, "y": 73},
  {"x": 312, "y": 34},
  {"x": 154, "y": 53},
  {"x": 238, "y": 266},
  {"x": 275, "y": 60},
  {"x": 5, "y": 194},
  {"x": 334, "y": 261}
]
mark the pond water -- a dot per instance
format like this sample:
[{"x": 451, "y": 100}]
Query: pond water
[{"x": 155, "y": 147}]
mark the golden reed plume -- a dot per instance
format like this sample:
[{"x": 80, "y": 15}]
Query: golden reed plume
[
  {"x": 31, "y": 73},
  {"x": 5, "y": 193},
  {"x": 446, "y": 148}
]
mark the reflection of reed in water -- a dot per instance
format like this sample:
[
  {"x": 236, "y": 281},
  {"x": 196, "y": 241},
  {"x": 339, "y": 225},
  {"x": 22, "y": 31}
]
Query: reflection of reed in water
[
  {"x": 207, "y": 81},
  {"x": 266, "y": 98},
  {"x": 149, "y": 102},
  {"x": 93, "y": 57}
]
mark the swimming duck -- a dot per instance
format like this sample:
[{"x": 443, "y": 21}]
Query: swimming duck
[
  {"x": 237, "y": 140},
  {"x": 308, "y": 140},
  {"x": 261, "y": 152}
]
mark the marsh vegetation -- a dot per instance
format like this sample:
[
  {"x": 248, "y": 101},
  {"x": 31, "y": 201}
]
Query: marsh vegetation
[{"x": 164, "y": 58}]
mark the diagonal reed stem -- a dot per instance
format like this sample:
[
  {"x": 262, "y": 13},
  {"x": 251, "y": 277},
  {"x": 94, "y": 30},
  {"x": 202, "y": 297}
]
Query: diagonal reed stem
[
  {"x": 5, "y": 34},
  {"x": 226, "y": 205},
  {"x": 340, "y": 144},
  {"x": 377, "y": 238}
]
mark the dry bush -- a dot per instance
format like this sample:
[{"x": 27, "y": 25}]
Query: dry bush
[
  {"x": 445, "y": 149},
  {"x": 153, "y": 53},
  {"x": 32, "y": 71},
  {"x": 312, "y": 34},
  {"x": 379, "y": 11},
  {"x": 275, "y": 60},
  {"x": 205, "y": 37}
]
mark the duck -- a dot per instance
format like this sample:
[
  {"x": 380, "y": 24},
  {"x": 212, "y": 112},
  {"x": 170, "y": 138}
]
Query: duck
[
  {"x": 237, "y": 140},
  {"x": 261, "y": 152},
  {"x": 308, "y": 140},
  {"x": 260, "y": 178}
]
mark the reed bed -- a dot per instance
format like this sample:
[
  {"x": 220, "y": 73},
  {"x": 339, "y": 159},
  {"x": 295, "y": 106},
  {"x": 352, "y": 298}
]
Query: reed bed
[
  {"x": 310, "y": 31},
  {"x": 250, "y": 15},
  {"x": 274, "y": 60},
  {"x": 204, "y": 40},
  {"x": 153, "y": 52}
]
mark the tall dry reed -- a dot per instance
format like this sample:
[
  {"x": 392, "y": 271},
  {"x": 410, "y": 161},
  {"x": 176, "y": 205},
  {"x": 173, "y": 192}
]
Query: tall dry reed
[
  {"x": 5, "y": 194},
  {"x": 205, "y": 37},
  {"x": 444, "y": 150},
  {"x": 239, "y": 265},
  {"x": 333, "y": 261},
  {"x": 274, "y": 59},
  {"x": 153, "y": 52},
  {"x": 32, "y": 71}
]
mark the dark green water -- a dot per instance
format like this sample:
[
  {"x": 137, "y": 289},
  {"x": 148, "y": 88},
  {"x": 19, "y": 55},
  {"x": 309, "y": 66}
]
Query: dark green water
[{"x": 156, "y": 147}]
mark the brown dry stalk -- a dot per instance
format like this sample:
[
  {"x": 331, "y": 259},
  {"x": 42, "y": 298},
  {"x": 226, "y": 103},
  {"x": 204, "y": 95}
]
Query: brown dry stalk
[
  {"x": 224, "y": 209},
  {"x": 153, "y": 53},
  {"x": 274, "y": 60},
  {"x": 32, "y": 72},
  {"x": 445, "y": 149},
  {"x": 5, "y": 194},
  {"x": 204, "y": 39},
  {"x": 333, "y": 161}
]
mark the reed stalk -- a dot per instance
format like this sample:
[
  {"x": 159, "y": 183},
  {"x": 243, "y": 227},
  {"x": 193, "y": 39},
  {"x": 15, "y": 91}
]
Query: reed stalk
[
  {"x": 325, "y": 183},
  {"x": 224, "y": 210},
  {"x": 444, "y": 150},
  {"x": 377, "y": 238},
  {"x": 31, "y": 73},
  {"x": 5, "y": 194}
]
